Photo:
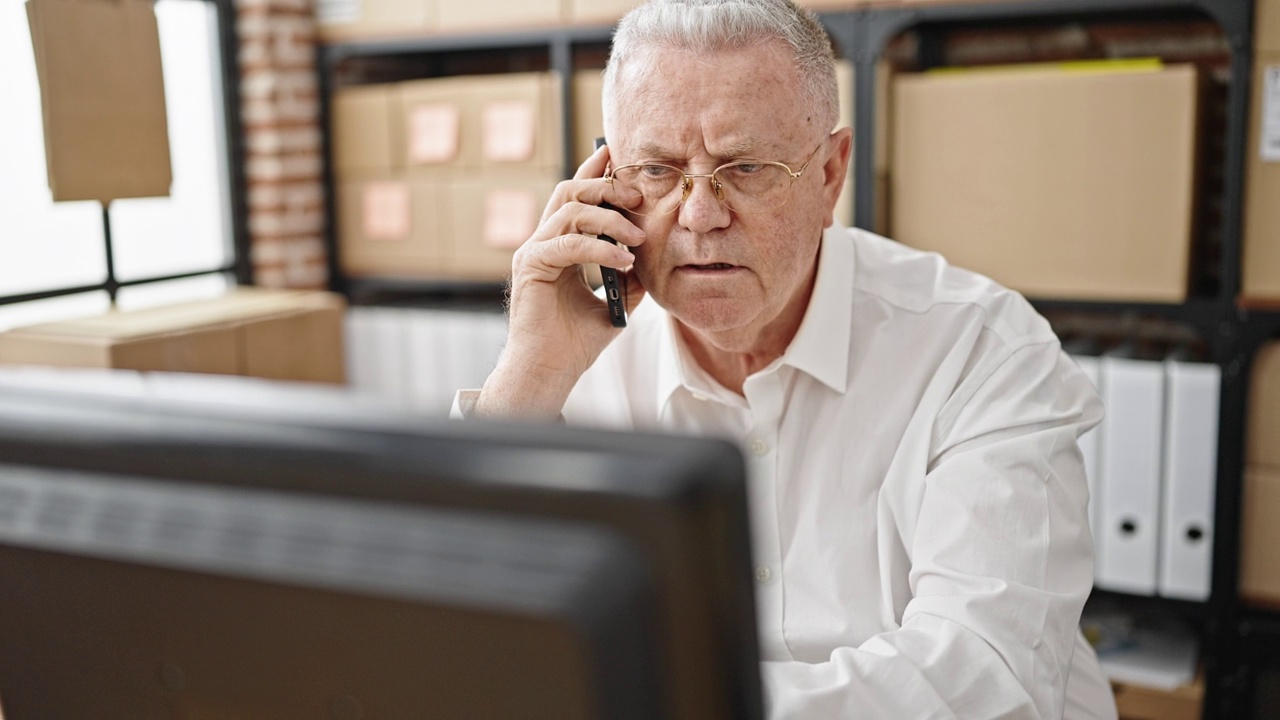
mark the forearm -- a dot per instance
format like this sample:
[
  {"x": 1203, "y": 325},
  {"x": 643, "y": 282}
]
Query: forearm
[
  {"x": 934, "y": 669},
  {"x": 523, "y": 390}
]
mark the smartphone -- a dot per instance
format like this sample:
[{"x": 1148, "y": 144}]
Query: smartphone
[{"x": 614, "y": 291}]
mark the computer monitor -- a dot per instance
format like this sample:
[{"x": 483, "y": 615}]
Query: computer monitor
[{"x": 168, "y": 553}]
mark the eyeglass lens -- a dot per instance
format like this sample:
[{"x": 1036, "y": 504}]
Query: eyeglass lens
[{"x": 743, "y": 187}]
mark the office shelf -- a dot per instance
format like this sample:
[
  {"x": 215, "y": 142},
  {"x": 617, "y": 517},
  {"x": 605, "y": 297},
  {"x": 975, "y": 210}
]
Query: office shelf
[{"x": 1230, "y": 329}]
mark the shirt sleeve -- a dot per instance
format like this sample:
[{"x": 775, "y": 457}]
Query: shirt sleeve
[
  {"x": 464, "y": 402},
  {"x": 1001, "y": 561}
]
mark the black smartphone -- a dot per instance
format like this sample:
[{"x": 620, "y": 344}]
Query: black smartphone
[{"x": 614, "y": 291}]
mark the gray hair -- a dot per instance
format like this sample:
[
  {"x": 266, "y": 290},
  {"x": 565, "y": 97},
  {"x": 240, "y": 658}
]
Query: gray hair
[{"x": 705, "y": 26}]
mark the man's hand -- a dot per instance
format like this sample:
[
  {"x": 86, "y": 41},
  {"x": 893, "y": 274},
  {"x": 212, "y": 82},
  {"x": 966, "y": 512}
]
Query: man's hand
[{"x": 557, "y": 325}]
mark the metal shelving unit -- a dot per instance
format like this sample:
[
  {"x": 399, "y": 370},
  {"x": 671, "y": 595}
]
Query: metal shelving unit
[
  {"x": 1232, "y": 333},
  {"x": 559, "y": 45}
]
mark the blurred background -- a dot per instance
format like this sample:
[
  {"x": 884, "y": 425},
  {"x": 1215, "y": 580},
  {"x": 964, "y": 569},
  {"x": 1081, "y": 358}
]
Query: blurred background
[{"x": 330, "y": 191}]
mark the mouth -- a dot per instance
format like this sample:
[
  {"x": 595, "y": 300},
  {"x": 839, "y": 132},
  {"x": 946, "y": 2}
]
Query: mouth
[{"x": 712, "y": 267}]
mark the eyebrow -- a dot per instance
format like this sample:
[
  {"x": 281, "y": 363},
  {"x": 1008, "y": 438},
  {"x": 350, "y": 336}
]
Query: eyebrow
[{"x": 742, "y": 148}]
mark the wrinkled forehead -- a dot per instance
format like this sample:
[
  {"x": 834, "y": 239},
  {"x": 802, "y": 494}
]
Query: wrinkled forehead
[{"x": 740, "y": 101}]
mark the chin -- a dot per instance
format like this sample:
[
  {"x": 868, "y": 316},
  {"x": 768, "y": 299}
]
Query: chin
[{"x": 714, "y": 315}]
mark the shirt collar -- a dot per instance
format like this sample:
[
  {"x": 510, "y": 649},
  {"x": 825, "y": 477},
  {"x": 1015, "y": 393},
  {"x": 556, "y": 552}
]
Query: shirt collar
[{"x": 821, "y": 345}]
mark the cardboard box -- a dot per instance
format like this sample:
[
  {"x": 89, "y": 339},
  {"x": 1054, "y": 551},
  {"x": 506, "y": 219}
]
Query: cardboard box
[
  {"x": 493, "y": 215},
  {"x": 499, "y": 14},
  {"x": 392, "y": 226},
  {"x": 599, "y": 12},
  {"x": 365, "y": 130},
  {"x": 1261, "y": 259},
  {"x": 1057, "y": 182},
  {"x": 353, "y": 19},
  {"x": 588, "y": 115},
  {"x": 1259, "y": 535},
  {"x": 102, "y": 92},
  {"x": 509, "y": 120},
  {"x": 845, "y": 82},
  {"x": 1262, "y": 434},
  {"x": 1135, "y": 702},
  {"x": 273, "y": 334},
  {"x": 1266, "y": 25}
]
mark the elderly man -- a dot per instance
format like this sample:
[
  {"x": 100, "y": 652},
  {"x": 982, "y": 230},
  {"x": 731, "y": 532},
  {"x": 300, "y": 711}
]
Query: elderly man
[{"x": 917, "y": 492}]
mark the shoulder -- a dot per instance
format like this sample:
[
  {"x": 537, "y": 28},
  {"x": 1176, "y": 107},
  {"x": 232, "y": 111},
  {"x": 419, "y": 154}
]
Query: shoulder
[{"x": 905, "y": 281}]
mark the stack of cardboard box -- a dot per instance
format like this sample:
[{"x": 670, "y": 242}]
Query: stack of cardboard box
[
  {"x": 443, "y": 178},
  {"x": 1259, "y": 565}
]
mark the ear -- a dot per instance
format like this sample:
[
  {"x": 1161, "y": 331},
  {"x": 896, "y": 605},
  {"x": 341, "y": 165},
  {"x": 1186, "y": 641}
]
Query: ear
[{"x": 835, "y": 171}]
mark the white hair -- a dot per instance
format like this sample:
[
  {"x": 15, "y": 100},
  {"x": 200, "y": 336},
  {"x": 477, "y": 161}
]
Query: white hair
[{"x": 707, "y": 26}]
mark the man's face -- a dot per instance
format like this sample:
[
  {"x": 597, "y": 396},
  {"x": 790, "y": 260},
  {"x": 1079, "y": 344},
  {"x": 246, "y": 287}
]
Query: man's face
[{"x": 728, "y": 275}]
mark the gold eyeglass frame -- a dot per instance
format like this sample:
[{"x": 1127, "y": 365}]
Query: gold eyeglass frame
[{"x": 686, "y": 181}]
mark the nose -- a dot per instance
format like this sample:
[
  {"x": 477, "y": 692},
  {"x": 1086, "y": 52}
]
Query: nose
[{"x": 702, "y": 211}]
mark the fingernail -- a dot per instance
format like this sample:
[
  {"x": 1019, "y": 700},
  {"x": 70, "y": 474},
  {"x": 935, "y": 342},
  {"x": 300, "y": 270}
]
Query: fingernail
[{"x": 625, "y": 256}]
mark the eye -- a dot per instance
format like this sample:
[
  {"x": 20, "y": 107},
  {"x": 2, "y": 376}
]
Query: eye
[
  {"x": 656, "y": 172},
  {"x": 746, "y": 168}
]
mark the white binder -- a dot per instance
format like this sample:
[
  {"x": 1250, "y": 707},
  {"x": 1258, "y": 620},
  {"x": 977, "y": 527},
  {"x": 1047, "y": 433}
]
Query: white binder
[
  {"x": 361, "y": 350},
  {"x": 1130, "y": 452},
  {"x": 390, "y": 353},
  {"x": 428, "y": 379},
  {"x": 1190, "y": 473},
  {"x": 1092, "y": 368}
]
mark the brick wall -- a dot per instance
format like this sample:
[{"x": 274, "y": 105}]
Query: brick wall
[{"x": 281, "y": 113}]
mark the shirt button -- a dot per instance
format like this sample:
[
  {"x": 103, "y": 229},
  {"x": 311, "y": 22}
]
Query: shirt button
[
  {"x": 763, "y": 574},
  {"x": 759, "y": 447}
]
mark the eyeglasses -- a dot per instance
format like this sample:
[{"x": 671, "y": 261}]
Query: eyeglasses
[{"x": 744, "y": 186}]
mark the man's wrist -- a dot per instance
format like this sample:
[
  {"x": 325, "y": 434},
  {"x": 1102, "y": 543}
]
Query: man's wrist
[{"x": 516, "y": 390}]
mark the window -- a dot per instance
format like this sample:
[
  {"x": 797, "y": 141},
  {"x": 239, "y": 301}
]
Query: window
[{"x": 54, "y": 256}]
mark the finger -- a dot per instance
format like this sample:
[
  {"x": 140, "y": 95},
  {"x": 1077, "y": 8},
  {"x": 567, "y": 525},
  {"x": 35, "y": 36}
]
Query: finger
[
  {"x": 594, "y": 166},
  {"x": 594, "y": 191},
  {"x": 635, "y": 290},
  {"x": 592, "y": 220},
  {"x": 548, "y": 259}
]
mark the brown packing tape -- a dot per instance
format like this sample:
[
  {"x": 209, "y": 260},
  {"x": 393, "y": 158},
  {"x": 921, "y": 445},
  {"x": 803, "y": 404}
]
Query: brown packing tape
[{"x": 102, "y": 95}]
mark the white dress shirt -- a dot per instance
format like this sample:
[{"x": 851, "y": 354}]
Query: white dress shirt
[{"x": 918, "y": 497}]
